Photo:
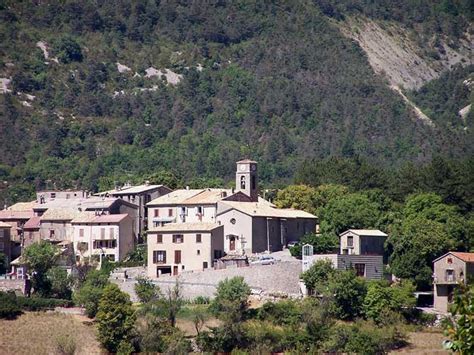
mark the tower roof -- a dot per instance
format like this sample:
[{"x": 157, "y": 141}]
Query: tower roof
[{"x": 246, "y": 161}]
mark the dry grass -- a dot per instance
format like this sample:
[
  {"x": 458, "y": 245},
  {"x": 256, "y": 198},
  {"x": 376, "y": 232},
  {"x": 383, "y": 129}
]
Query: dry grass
[
  {"x": 424, "y": 343},
  {"x": 37, "y": 333}
]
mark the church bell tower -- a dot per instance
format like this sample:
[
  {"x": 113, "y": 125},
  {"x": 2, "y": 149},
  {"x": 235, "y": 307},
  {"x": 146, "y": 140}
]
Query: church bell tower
[{"x": 246, "y": 178}]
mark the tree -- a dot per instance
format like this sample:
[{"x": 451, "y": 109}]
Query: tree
[
  {"x": 231, "y": 300},
  {"x": 89, "y": 294},
  {"x": 61, "y": 283},
  {"x": 296, "y": 196},
  {"x": 146, "y": 290},
  {"x": 115, "y": 318},
  {"x": 68, "y": 50},
  {"x": 40, "y": 257},
  {"x": 460, "y": 326},
  {"x": 317, "y": 276},
  {"x": 322, "y": 244},
  {"x": 354, "y": 210},
  {"x": 347, "y": 292}
]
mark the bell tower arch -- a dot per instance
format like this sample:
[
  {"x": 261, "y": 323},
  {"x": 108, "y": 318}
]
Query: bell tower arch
[{"x": 246, "y": 178}]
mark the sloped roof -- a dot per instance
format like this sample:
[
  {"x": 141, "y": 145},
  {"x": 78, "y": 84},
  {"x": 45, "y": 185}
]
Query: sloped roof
[
  {"x": 104, "y": 203},
  {"x": 129, "y": 190},
  {"x": 4, "y": 225},
  {"x": 246, "y": 161},
  {"x": 466, "y": 257},
  {"x": 207, "y": 197},
  {"x": 91, "y": 217},
  {"x": 366, "y": 232},
  {"x": 7, "y": 215},
  {"x": 185, "y": 227},
  {"x": 60, "y": 214},
  {"x": 175, "y": 197},
  {"x": 22, "y": 206},
  {"x": 263, "y": 209},
  {"x": 32, "y": 223}
]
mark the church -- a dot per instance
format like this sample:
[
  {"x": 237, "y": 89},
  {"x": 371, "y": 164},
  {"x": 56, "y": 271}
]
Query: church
[{"x": 192, "y": 229}]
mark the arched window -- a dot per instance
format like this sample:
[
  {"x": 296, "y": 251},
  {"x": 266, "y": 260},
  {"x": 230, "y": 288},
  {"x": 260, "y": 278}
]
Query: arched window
[{"x": 242, "y": 182}]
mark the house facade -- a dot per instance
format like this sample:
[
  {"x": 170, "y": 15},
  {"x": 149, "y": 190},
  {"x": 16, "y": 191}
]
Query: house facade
[
  {"x": 450, "y": 270},
  {"x": 359, "y": 249},
  {"x": 138, "y": 195},
  {"x": 5, "y": 244},
  {"x": 99, "y": 236},
  {"x": 177, "y": 247}
]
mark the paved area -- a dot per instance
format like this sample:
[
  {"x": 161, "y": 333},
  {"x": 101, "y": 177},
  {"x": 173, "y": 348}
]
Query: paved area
[{"x": 281, "y": 278}]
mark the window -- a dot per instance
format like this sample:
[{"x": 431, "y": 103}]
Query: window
[
  {"x": 350, "y": 241},
  {"x": 178, "y": 238},
  {"x": 159, "y": 257},
  {"x": 51, "y": 233},
  {"x": 204, "y": 265},
  {"x": 177, "y": 256},
  {"x": 81, "y": 232},
  {"x": 67, "y": 196},
  {"x": 102, "y": 232},
  {"x": 157, "y": 212},
  {"x": 199, "y": 210},
  {"x": 2, "y": 246},
  {"x": 232, "y": 220},
  {"x": 254, "y": 183},
  {"x": 198, "y": 252},
  {"x": 242, "y": 182},
  {"x": 111, "y": 233},
  {"x": 360, "y": 269},
  {"x": 184, "y": 211},
  {"x": 217, "y": 254},
  {"x": 198, "y": 238},
  {"x": 170, "y": 212},
  {"x": 450, "y": 260},
  {"x": 107, "y": 244},
  {"x": 159, "y": 238},
  {"x": 450, "y": 275},
  {"x": 53, "y": 195}
]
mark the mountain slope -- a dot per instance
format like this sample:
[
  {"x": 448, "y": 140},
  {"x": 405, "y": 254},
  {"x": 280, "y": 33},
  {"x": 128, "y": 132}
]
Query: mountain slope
[{"x": 131, "y": 89}]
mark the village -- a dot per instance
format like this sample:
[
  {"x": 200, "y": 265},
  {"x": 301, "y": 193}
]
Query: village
[{"x": 200, "y": 237}]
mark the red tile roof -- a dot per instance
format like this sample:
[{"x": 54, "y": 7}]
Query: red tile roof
[
  {"x": 467, "y": 257},
  {"x": 110, "y": 218},
  {"x": 7, "y": 214},
  {"x": 32, "y": 223}
]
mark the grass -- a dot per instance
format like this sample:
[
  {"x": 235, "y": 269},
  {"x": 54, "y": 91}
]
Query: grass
[
  {"x": 41, "y": 333},
  {"x": 424, "y": 342}
]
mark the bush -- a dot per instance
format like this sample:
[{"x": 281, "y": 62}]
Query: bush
[
  {"x": 202, "y": 300},
  {"x": 281, "y": 313},
  {"x": 68, "y": 50},
  {"x": 146, "y": 291},
  {"x": 66, "y": 345},
  {"x": 40, "y": 304},
  {"x": 9, "y": 307},
  {"x": 89, "y": 294}
]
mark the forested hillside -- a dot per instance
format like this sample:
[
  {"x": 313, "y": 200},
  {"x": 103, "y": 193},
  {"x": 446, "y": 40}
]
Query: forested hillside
[{"x": 97, "y": 91}]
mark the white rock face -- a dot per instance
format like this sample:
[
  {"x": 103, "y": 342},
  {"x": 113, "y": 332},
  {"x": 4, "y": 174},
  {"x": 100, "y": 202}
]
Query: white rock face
[
  {"x": 199, "y": 67},
  {"x": 122, "y": 68},
  {"x": 464, "y": 111},
  {"x": 4, "y": 82},
  {"x": 44, "y": 47},
  {"x": 171, "y": 77},
  {"x": 26, "y": 103}
]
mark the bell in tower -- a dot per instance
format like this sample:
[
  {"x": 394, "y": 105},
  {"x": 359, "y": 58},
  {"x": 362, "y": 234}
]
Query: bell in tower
[{"x": 246, "y": 178}]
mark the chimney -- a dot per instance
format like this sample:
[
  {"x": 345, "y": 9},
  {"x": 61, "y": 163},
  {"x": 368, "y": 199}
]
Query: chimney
[{"x": 147, "y": 182}]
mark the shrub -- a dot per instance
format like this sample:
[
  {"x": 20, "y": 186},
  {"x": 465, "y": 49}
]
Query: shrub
[
  {"x": 9, "y": 307},
  {"x": 68, "y": 50},
  {"x": 283, "y": 313},
  {"x": 66, "y": 345},
  {"x": 146, "y": 291},
  {"x": 115, "y": 318},
  {"x": 40, "y": 304},
  {"x": 202, "y": 300},
  {"x": 231, "y": 299},
  {"x": 90, "y": 293}
]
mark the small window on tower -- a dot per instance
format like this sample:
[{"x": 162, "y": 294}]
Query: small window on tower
[
  {"x": 242, "y": 182},
  {"x": 254, "y": 183}
]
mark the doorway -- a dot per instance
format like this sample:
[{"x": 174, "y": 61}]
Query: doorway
[
  {"x": 175, "y": 270},
  {"x": 231, "y": 242}
]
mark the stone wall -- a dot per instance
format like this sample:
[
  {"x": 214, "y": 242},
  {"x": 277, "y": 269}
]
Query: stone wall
[{"x": 15, "y": 285}]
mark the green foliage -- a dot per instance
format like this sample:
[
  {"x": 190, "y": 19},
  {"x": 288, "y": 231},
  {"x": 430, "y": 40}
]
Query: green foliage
[
  {"x": 231, "y": 299},
  {"x": 281, "y": 313},
  {"x": 9, "y": 307},
  {"x": 346, "y": 293},
  {"x": 318, "y": 275},
  {"x": 61, "y": 283},
  {"x": 115, "y": 318},
  {"x": 34, "y": 304},
  {"x": 40, "y": 258},
  {"x": 382, "y": 301},
  {"x": 66, "y": 345},
  {"x": 136, "y": 257},
  {"x": 296, "y": 196},
  {"x": 460, "y": 327},
  {"x": 68, "y": 50},
  {"x": 90, "y": 293},
  {"x": 146, "y": 290},
  {"x": 427, "y": 229},
  {"x": 325, "y": 243}
]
